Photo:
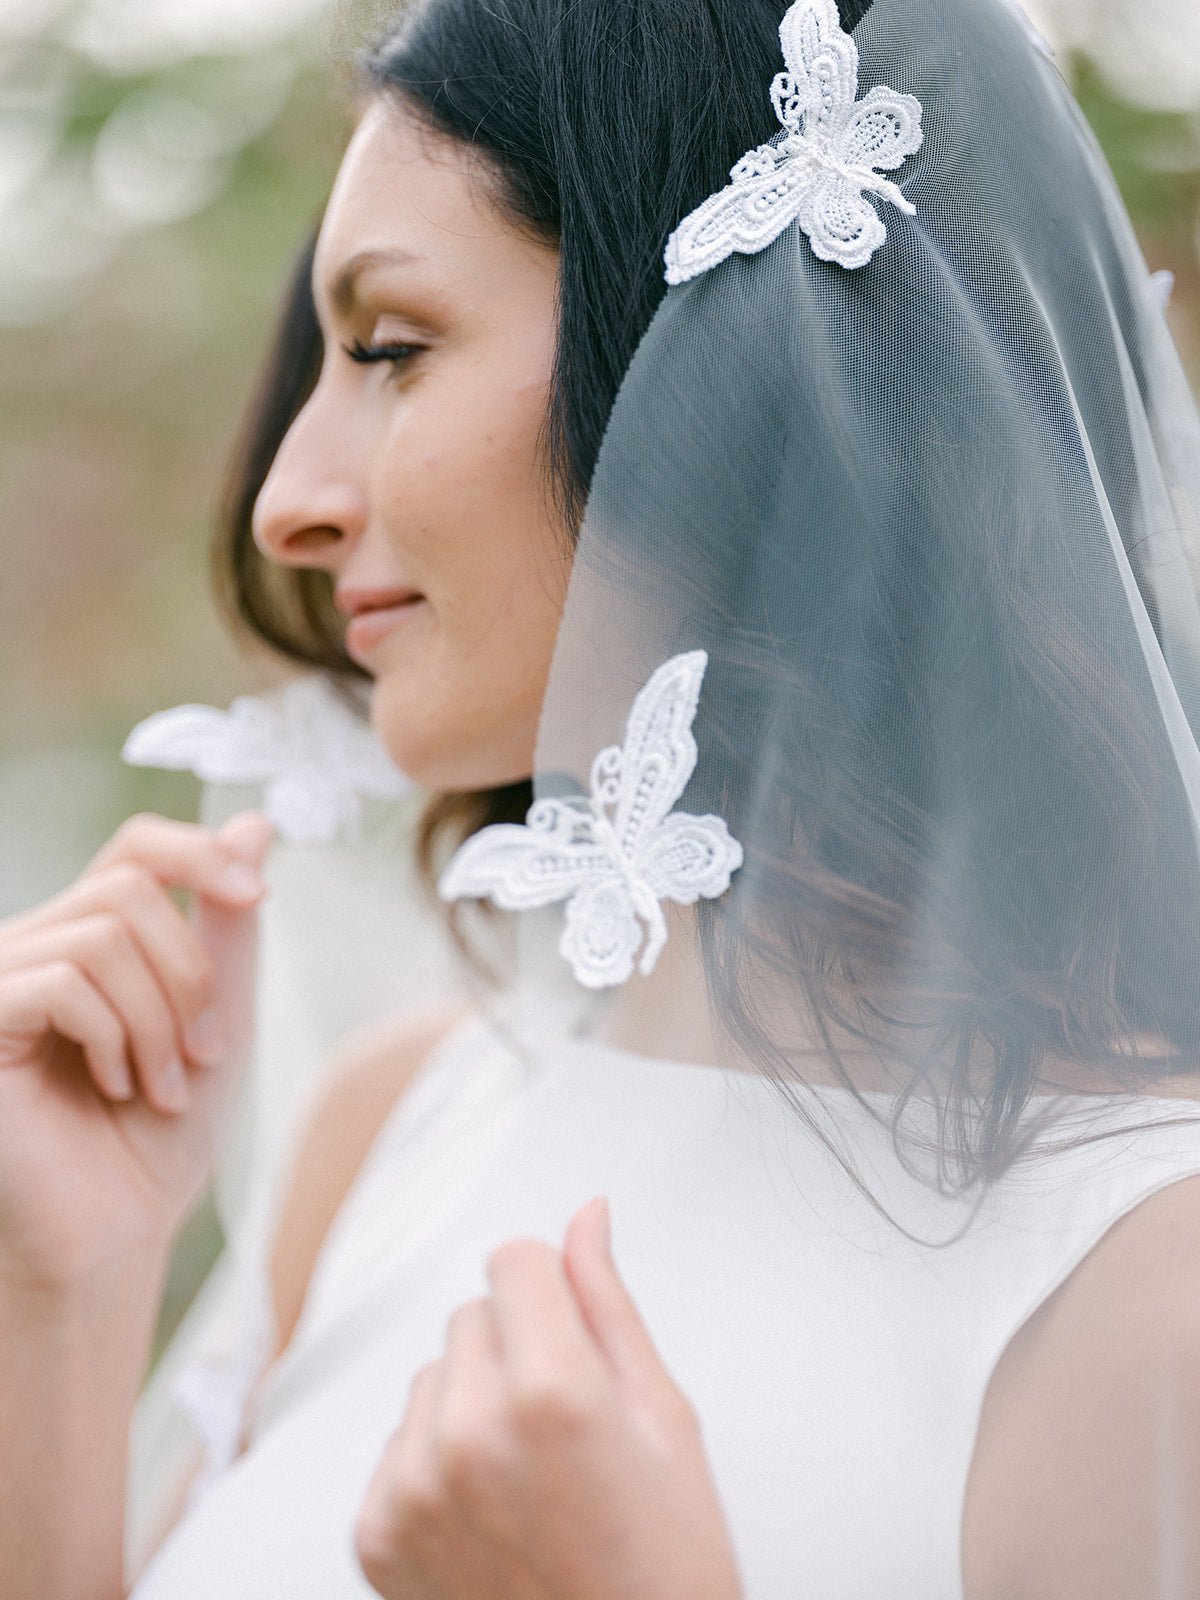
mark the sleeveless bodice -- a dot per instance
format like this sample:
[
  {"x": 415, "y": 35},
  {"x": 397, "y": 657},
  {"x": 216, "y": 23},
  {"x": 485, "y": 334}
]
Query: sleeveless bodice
[{"x": 837, "y": 1365}]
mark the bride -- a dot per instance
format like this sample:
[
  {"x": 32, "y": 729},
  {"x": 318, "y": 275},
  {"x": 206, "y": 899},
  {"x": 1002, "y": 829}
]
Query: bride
[{"x": 750, "y": 465}]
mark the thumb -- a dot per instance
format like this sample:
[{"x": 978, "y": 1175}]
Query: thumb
[
  {"x": 607, "y": 1305},
  {"x": 249, "y": 835}
]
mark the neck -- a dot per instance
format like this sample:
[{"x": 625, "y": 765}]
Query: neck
[{"x": 667, "y": 1015}]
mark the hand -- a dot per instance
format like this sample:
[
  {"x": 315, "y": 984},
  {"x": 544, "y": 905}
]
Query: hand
[
  {"x": 548, "y": 1455},
  {"x": 100, "y": 989}
]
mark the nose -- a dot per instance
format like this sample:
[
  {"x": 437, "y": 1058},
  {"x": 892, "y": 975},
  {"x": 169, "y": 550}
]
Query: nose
[{"x": 309, "y": 511}]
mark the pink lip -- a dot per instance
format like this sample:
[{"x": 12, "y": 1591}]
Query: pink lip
[{"x": 370, "y": 627}]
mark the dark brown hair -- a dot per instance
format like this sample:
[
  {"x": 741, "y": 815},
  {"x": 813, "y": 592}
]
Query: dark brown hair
[{"x": 556, "y": 98}]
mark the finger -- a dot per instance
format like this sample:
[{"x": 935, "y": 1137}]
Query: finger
[
  {"x": 472, "y": 1377},
  {"x": 168, "y": 942},
  {"x": 230, "y": 938},
  {"x": 110, "y": 958},
  {"x": 183, "y": 855},
  {"x": 411, "y": 1456},
  {"x": 249, "y": 834},
  {"x": 607, "y": 1306},
  {"x": 404, "y": 1486},
  {"x": 58, "y": 998},
  {"x": 541, "y": 1328},
  {"x": 472, "y": 1337}
]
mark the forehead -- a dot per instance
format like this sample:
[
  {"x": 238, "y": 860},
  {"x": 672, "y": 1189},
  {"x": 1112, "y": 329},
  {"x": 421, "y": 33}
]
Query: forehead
[{"x": 403, "y": 191}]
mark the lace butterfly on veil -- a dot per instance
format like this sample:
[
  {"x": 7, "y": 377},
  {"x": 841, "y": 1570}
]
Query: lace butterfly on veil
[
  {"x": 831, "y": 149},
  {"x": 616, "y": 856}
]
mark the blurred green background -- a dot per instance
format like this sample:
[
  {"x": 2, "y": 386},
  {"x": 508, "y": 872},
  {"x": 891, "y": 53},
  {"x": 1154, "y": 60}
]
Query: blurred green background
[{"x": 159, "y": 162}]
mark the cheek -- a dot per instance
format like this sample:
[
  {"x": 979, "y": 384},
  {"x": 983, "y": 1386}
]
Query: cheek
[
  {"x": 456, "y": 733},
  {"x": 457, "y": 702}
]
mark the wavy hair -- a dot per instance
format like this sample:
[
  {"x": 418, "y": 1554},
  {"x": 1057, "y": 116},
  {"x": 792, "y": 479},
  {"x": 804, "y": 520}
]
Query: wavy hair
[{"x": 575, "y": 110}]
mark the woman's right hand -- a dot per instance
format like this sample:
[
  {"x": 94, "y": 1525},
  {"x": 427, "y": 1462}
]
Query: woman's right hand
[{"x": 103, "y": 1149}]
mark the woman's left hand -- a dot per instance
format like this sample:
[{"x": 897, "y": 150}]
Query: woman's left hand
[{"x": 547, "y": 1455}]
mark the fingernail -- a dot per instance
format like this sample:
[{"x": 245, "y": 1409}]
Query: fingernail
[
  {"x": 122, "y": 1082},
  {"x": 173, "y": 1090},
  {"x": 606, "y": 1219},
  {"x": 242, "y": 882},
  {"x": 203, "y": 1038}
]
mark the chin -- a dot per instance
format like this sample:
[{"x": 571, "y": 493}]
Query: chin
[{"x": 445, "y": 748}]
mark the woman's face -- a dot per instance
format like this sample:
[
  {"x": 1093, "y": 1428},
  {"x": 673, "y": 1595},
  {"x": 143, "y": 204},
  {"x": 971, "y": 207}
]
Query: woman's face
[{"x": 422, "y": 478}]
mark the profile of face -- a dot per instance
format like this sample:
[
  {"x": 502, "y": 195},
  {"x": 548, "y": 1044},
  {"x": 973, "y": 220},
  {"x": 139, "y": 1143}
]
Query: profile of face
[{"x": 417, "y": 471}]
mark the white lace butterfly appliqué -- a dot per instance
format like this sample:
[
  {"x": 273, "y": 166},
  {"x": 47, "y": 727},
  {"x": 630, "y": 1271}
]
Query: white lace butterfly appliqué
[
  {"x": 832, "y": 148},
  {"x": 314, "y": 757},
  {"x": 616, "y": 856}
]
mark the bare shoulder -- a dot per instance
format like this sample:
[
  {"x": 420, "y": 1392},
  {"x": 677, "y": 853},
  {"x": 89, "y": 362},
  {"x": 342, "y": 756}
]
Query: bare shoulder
[
  {"x": 358, "y": 1090},
  {"x": 363, "y": 1078},
  {"x": 1087, "y": 1461}
]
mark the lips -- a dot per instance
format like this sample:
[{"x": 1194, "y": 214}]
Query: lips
[
  {"x": 351, "y": 600},
  {"x": 372, "y": 623}
]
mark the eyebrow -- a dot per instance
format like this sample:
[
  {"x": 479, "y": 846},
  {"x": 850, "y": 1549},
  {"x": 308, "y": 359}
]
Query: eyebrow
[{"x": 345, "y": 285}]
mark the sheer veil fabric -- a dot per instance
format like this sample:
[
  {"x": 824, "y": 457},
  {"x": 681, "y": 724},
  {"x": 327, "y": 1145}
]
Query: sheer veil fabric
[
  {"x": 884, "y": 607},
  {"x": 932, "y": 522}
]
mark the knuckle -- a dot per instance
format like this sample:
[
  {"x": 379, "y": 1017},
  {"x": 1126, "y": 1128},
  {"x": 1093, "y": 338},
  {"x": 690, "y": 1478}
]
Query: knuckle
[
  {"x": 131, "y": 880},
  {"x": 548, "y": 1407},
  {"x": 19, "y": 983},
  {"x": 62, "y": 975},
  {"x": 138, "y": 829},
  {"x": 420, "y": 1505},
  {"x": 101, "y": 933},
  {"x": 139, "y": 888},
  {"x": 466, "y": 1457},
  {"x": 402, "y": 1509}
]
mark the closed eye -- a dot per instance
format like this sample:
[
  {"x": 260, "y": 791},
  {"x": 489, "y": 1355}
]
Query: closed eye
[{"x": 369, "y": 353}]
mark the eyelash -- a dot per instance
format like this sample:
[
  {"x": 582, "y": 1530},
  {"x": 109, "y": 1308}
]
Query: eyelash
[{"x": 367, "y": 354}]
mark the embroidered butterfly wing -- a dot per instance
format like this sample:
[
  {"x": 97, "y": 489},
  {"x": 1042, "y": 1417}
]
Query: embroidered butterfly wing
[
  {"x": 520, "y": 866},
  {"x": 679, "y": 857},
  {"x": 822, "y": 68},
  {"x": 856, "y": 137},
  {"x": 635, "y": 785},
  {"x": 768, "y": 190},
  {"x": 311, "y": 754},
  {"x": 881, "y": 130},
  {"x": 241, "y": 745},
  {"x": 746, "y": 217},
  {"x": 616, "y": 856},
  {"x": 815, "y": 174}
]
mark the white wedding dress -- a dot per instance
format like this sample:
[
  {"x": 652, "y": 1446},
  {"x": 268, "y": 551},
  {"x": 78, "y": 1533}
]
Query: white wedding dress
[{"x": 838, "y": 1368}]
